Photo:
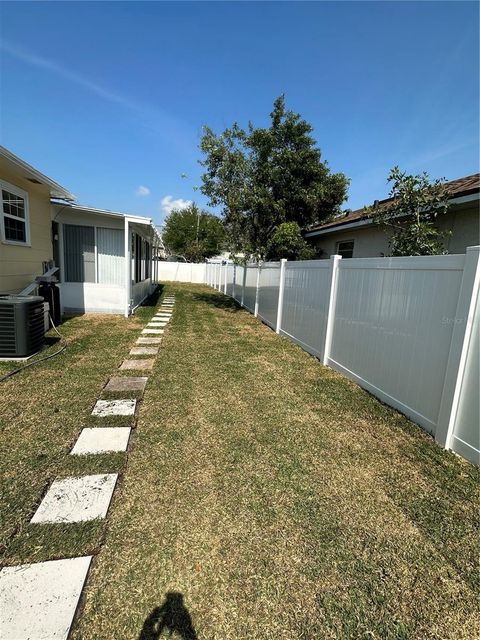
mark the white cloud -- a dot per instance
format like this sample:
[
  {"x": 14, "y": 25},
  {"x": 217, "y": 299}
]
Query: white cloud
[
  {"x": 168, "y": 204},
  {"x": 142, "y": 191}
]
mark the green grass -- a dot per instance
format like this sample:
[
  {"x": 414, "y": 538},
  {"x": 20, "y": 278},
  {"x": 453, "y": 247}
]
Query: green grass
[
  {"x": 42, "y": 411},
  {"x": 279, "y": 498}
]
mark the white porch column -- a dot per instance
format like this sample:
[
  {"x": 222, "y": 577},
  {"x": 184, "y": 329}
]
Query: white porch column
[{"x": 127, "y": 269}]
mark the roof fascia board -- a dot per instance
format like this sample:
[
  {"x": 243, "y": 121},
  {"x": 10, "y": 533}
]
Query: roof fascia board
[{"x": 56, "y": 190}]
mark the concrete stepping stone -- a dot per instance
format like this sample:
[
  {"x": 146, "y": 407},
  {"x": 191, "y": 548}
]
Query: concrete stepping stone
[
  {"x": 163, "y": 314},
  {"x": 157, "y": 324},
  {"x": 77, "y": 499},
  {"x": 153, "y": 331},
  {"x": 38, "y": 601},
  {"x": 124, "y": 383},
  {"x": 143, "y": 351},
  {"x": 105, "y": 408},
  {"x": 101, "y": 440},
  {"x": 144, "y": 363},
  {"x": 148, "y": 341}
]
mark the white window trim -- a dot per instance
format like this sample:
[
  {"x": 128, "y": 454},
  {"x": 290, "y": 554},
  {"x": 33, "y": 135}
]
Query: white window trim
[{"x": 23, "y": 194}]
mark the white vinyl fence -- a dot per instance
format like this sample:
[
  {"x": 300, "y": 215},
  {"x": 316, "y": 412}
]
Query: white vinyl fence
[
  {"x": 182, "y": 272},
  {"x": 405, "y": 329}
]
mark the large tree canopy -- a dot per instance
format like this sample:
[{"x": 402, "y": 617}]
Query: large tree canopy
[
  {"x": 264, "y": 177},
  {"x": 193, "y": 233}
]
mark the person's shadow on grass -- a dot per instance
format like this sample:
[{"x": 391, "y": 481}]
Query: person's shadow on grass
[{"x": 172, "y": 616}]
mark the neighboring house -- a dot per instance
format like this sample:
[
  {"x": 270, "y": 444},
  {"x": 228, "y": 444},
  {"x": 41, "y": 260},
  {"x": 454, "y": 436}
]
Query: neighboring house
[
  {"x": 354, "y": 235},
  {"x": 25, "y": 222},
  {"x": 88, "y": 245}
]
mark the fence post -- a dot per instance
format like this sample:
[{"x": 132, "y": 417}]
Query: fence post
[
  {"x": 461, "y": 336},
  {"x": 257, "y": 290},
  {"x": 226, "y": 279},
  {"x": 244, "y": 279},
  {"x": 283, "y": 265},
  {"x": 334, "y": 262},
  {"x": 234, "y": 280}
]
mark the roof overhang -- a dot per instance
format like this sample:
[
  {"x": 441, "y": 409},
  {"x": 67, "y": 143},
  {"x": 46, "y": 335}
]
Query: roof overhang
[
  {"x": 22, "y": 169},
  {"x": 128, "y": 217},
  {"x": 368, "y": 222}
]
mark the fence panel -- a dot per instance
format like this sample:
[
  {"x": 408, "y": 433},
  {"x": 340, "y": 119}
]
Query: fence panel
[
  {"x": 239, "y": 270},
  {"x": 250, "y": 287},
  {"x": 305, "y": 303},
  {"x": 182, "y": 272},
  {"x": 466, "y": 434},
  {"x": 269, "y": 284},
  {"x": 230, "y": 279},
  {"x": 391, "y": 333}
]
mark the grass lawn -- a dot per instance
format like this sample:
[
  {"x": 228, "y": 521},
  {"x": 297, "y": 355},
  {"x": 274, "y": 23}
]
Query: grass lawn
[{"x": 281, "y": 500}]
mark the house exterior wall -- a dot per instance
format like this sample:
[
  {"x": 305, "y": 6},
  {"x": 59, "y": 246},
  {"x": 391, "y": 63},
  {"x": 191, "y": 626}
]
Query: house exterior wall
[
  {"x": 371, "y": 241},
  {"x": 91, "y": 297},
  {"x": 105, "y": 292},
  {"x": 20, "y": 265}
]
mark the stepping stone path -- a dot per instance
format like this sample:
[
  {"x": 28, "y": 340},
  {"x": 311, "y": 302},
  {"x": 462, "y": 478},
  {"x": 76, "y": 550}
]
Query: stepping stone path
[
  {"x": 104, "y": 408},
  {"x": 145, "y": 363},
  {"x": 77, "y": 499},
  {"x": 101, "y": 440},
  {"x": 38, "y": 601},
  {"x": 122, "y": 383},
  {"x": 148, "y": 341},
  {"x": 143, "y": 351}
]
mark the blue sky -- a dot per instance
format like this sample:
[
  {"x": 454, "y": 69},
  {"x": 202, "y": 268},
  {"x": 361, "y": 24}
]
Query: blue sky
[{"x": 109, "y": 97}]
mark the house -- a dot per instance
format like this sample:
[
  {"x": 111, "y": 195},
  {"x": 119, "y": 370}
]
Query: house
[
  {"x": 89, "y": 247},
  {"x": 354, "y": 235},
  {"x": 104, "y": 260},
  {"x": 25, "y": 222}
]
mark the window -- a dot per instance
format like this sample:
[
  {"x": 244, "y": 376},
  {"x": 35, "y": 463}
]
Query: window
[
  {"x": 141, "y": 258},
  {"x": 345, "y": 248},
  {"x": 79, "y": 253},
  {"x": 14, "y": 218}
]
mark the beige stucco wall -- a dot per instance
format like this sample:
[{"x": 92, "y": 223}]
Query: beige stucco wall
[
  {"x": 464, "y": 222},
  {"x": 20, "y": 265}
]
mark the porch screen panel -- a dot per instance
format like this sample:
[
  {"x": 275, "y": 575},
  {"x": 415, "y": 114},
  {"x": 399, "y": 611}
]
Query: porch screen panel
[
  {"x": 110, "y": 256},
  {"x": 79, "y": 253}
]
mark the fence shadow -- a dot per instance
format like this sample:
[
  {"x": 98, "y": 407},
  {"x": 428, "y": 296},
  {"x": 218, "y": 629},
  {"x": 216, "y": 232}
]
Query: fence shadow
[
  {"x": 172, "y": 616},
  {"x": 219, "y": 301}
]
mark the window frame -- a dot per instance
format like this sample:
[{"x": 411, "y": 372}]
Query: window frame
[
  {"x": 17, "y": 191},
  {"x": 337, "y": 247}
]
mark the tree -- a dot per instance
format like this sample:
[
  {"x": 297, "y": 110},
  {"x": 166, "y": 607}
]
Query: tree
[
  {"x": 410, "y": 218},
  {"x": 193, "y": 233},
  {"x": 287, "y": 242},
  {"x": 264, "y": 177}
]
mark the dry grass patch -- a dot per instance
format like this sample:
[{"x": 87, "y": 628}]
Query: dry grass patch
[{"x": 281, "y": 500}]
